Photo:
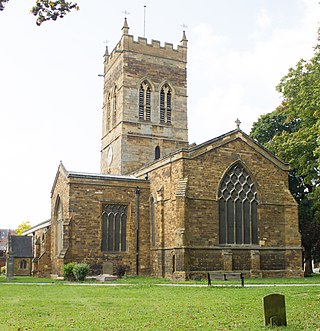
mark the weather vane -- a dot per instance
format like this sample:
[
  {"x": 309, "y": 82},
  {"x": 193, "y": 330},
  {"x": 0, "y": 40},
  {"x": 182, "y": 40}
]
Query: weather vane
[
  {"x": 125, "y": 13},
  {"x": 184, "y": 26}
]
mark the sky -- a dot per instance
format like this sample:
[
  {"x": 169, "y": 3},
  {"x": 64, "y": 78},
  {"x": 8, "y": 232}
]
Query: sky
[{"x": 51, "y": 94}]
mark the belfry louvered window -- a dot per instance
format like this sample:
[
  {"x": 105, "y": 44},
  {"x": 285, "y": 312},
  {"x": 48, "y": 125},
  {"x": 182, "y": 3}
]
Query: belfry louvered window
[
  {"x": 145, "y": 101},
  {"x": 238, "y": 205},
  {"x": 114, "y": 227},
  {"x": 114, "y": 115},
  {"x": 108, "y": 112},
  {"x": 165, "y": 104}
]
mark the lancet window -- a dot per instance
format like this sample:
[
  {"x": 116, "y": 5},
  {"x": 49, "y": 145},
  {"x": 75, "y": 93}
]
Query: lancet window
[
  {"x": 238, "y": 205},
  {"x": 165, "y": 104},
  {"x": 145, "y": 101}
]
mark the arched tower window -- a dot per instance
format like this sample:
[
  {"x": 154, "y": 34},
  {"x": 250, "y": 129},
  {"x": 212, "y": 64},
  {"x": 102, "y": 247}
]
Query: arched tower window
[
  {"x": 145, "y": 101},
  {"x": 114, "y": 225},
  {"x": 157, "y": 153},
  {"x": 238, "y": 204},
  {"x": 58, "y": 227},
  {"x": 165, "y": 104},
  {"x": 108, "y": 125},
  {"x": 114, "y": 115}
]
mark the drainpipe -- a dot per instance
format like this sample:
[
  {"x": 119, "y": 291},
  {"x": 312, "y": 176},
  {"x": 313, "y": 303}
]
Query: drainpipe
[{"x": 137, "y": 227}]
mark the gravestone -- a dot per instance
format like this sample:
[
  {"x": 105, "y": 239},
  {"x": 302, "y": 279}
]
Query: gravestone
[
  {"x": 274, "y": 310},
  {"x": 107, "y": 268}
]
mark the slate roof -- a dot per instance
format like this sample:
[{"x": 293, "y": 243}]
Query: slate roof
[{"x": 21, "y": 246}]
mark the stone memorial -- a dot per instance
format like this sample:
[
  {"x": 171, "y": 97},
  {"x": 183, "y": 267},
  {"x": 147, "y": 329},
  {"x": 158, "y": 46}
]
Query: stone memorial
[
  {"x": 107, "y": 268},
  {"x": 274, "y": 310}
]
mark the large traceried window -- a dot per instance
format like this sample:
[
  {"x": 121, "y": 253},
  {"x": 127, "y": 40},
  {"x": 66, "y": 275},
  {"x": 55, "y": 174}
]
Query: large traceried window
[
  {"x": 145, "y": 101},
  {"x": 165, "y": 104},
  {"x": 114, "y": 227},
  {"x": 238, "y": 205}
]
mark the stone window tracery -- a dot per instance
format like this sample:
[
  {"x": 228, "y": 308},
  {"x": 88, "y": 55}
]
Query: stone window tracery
[
  {"x": 114, "y": 225},
  {"x": 145, "y": 101},
  {"x": 165, "y": 104},
  {"x": 238, "y": 205}
]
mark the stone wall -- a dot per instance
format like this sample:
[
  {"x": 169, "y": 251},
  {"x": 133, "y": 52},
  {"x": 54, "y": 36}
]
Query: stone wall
[{"x": 83, "y": 229}]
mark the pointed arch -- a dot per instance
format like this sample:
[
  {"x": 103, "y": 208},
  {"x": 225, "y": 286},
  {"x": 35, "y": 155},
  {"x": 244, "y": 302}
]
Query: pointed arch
[
  {"x": 166, "y": 103},
  {"x": 238, "y": 207},
  {"x": 157, "y": 153},
  {"x": 152, "y": 221},
  {"x": 114, "y": 106},
  {"x": 58, "y": 226},
  {"x": 108, "y": 124},
  {"x": 145, "y": 100}
]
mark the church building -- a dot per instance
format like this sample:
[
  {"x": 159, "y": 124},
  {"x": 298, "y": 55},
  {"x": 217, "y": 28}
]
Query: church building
[{"x": 162, "y": 207}]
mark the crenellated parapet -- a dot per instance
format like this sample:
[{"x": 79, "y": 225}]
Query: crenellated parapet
[{"x": 127, "y": 43}]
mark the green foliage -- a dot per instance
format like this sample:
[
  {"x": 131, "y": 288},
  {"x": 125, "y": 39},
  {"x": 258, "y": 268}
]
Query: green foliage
[
  {"x": 46, "y": 10},
  {"x": 67, "y": 271},
  {"x": 3, "y": 270},
  {"x": 80, "y": 271},
  {"x": 292, "y": 132},
  {"x": 24, "y": 226},
  {"x": 121, "y": 270}
]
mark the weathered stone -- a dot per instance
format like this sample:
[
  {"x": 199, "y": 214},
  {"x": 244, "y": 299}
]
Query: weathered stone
[{"x": 274, "y": 310}]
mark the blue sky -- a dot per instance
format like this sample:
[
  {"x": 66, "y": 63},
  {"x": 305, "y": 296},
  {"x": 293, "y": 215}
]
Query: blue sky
[{"x": 51, "y": 95}]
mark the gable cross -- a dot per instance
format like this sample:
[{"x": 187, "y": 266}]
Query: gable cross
[{"x": 238, "y": 123}]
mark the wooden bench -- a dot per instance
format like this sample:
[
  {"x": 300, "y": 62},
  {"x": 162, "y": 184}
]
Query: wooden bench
[{"x": 225, "y": 276}]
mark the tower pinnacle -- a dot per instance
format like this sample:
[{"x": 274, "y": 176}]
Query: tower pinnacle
[
  {"x": 125, "y": 27},
  {"x": 184, "y": 39}
]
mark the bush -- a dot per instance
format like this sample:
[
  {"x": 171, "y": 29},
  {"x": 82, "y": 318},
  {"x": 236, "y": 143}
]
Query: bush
[
  {"x": 67, "y": 271},
  {"x": 3, "y": 270},
  {"x": 121, "y": 270},
  {"x": 80, "y": 271}
]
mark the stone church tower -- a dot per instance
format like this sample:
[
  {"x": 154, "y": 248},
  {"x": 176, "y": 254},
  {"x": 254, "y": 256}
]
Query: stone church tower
[{"x": 145, "y": 103}]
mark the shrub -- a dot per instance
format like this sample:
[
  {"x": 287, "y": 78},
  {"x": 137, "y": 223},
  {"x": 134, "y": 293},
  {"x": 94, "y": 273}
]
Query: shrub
[
  {"x": 80, "y": 271},
  {"x": 3, "y": 270},
  {"x": 67, "y": 271},
  {"x": 121, "y": 270}
]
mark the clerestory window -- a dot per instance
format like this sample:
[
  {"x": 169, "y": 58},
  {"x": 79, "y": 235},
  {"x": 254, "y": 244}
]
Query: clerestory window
[
  {"x": 165, "y": 104},
  {"x": 114, "y": 227},
  {"x": 238, "y": 205},
  {"x": 145, "y": 101}
]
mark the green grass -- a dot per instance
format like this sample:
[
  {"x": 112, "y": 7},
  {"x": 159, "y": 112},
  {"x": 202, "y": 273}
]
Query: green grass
[{"x": 143, "y": 305}]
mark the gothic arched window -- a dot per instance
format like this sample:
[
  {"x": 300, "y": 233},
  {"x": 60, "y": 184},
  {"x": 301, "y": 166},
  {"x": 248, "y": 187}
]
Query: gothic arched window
[
  {"x": 114, "y": 115},
  {"x": 145, "y": 101},
  {"x": 109, "y": 112},
  {"x": 153, "y": 225},
  {"x": 157, "y": 153},
  {"x": 165, "y": 104},
  {"x": 238, "y": 205},
  {"x": 114, "y": 227},
  {"x": 58, "y": 227}
]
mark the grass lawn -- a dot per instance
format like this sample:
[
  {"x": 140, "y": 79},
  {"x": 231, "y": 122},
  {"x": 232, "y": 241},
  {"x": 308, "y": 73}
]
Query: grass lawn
[{"x": 143, "y": 305}]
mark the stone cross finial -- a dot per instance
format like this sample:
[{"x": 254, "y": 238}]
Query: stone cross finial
[{"x": 238, "y": 123}]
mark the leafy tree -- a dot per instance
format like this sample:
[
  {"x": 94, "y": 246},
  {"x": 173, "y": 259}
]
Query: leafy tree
[
  {"x": 292, "y": 132},
  {"x": 46, "y": 10},
  {"x": 22, "y": 227}
]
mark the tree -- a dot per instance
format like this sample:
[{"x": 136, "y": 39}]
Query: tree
[
  {"x": 46, "y": 10},
  {"x": 24, "y": 226},
  {"x": 292, "y": 132}
]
